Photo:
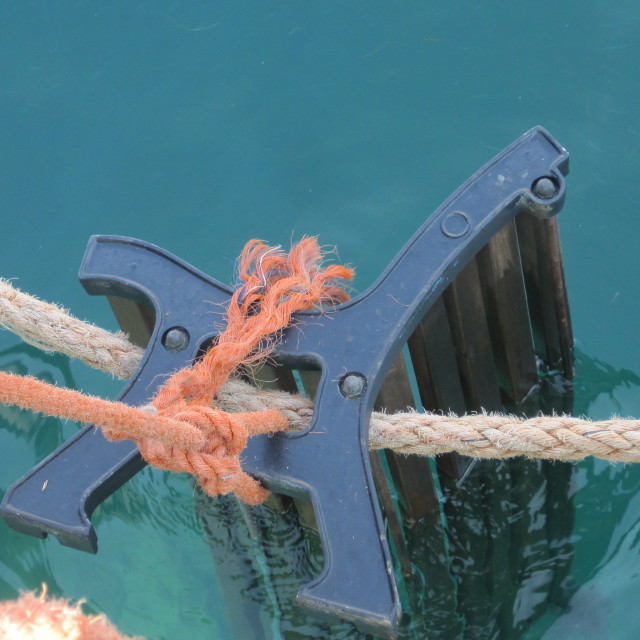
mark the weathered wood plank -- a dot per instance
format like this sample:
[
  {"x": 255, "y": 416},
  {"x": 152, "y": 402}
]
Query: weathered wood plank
[
  {"x": 539, "y": 295},
  {"x": 506, "y": 303},
  {"x": 434, "y": 363},
  {"x": 135, "y": 319},
  {"x": 471, "y": 339},
  {"x": 546, "y": 291},
  {"x": 411, "y": 474},
  {"x": 559, "y": 286}
]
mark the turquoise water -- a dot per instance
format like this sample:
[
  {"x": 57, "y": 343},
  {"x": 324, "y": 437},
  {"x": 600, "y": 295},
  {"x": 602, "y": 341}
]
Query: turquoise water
[{"x": 196, "y": 125}]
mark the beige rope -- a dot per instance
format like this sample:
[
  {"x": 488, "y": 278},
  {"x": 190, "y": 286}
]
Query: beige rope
[
  {"x": 52, "y": 328},
  {"x": 480, "y": 435}
]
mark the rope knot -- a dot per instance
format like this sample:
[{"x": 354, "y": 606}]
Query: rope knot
[
  {"x": 272, "y": 287},
  {"x": 225, "y": 433}
]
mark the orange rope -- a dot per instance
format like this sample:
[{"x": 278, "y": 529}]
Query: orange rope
[
  {"x": 31, "y": 393},
  {"x": 39, "y": 616},
  {"x": 180, "y": 430}
]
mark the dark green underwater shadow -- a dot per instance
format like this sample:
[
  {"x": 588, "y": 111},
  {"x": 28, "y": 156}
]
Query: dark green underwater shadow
[
  {"x": 604, "y": 572},
  {"x": 511, "y": 555}
]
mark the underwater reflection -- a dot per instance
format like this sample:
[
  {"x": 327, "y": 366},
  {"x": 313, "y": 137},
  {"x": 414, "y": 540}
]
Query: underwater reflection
[
  {"x": 263, "y": 557},
  {"x": 25, "y": 439},
  {"x": 497, "y": 560},
  {"x": 42, "y": 433}
]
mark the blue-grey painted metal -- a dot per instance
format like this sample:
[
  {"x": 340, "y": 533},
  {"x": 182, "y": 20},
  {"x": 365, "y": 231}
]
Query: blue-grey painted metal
[{"x": 353, "y": 344}]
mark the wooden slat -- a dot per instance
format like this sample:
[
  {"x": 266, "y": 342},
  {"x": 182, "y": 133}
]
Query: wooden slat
[
  {"x": 559, "y": 286},
  {"x": 539, "y": 295},
  {"x": 509, "y": 500},
  {"x": 546, "y": 290},
  {"x": 479, "y": 531},
  {"x": 486, "y": 592},
  {"x": 434, "y": 363},
  {"x": 470, "y": 334},
  {"x": 435, "y": 360},
  {"x": 530, "y": 546},
  {"x": 508, "y": 318},
  {"x": 549, "y": 309},
  {"x": 411, "y": 474},
  {"x": 135, "y": 319}
]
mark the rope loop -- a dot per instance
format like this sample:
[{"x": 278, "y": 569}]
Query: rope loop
[{"x": 273, "y": 286}]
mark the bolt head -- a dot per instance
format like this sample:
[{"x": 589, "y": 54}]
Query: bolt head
[
  {"x": 545, "y": 188},
  {"x": 353, "y": 385},
  {"x": 175, "y": 339}
]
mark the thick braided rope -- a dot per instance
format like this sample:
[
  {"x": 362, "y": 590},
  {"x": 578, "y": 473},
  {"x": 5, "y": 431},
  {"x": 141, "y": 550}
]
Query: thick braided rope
[
  {"x": 481, "y": 435},
  {"x": 52, "y": 328},
  {"x": 476, "y": 435}
]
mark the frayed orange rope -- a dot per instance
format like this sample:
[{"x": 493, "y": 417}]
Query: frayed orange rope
[
  {"x": 41, "y": 617},
  {"x": 276, "y": 285},
  {"x": 180, "y": 430}
]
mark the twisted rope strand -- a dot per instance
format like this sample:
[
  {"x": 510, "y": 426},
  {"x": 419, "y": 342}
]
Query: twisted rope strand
[
  {"x": 479, "y": 435},
  {"x": 52, "y": 328}
]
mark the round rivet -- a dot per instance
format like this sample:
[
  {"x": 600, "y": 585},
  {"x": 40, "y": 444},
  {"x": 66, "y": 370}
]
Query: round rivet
[
  {"x": 175, "y": 339},
  {"x": 545, "y": 188},
  {"x": 456, "y": 224},
  {"x": 352, "y": 385}
]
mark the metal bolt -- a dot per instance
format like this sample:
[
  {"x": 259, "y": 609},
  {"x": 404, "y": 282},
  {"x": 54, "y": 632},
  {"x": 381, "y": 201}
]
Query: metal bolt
[
  {"x": 175, "y": 339},
  {"x": 545, "y": 188},
  {"x": 353, "y": 385}
]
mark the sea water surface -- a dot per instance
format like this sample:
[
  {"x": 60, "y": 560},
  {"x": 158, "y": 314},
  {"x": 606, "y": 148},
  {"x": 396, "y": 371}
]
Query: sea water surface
[{"x": 196, "y": 125}]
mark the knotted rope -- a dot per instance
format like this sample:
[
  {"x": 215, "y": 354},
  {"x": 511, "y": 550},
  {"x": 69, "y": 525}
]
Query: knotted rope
[{"x": 180, "y": 430}]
